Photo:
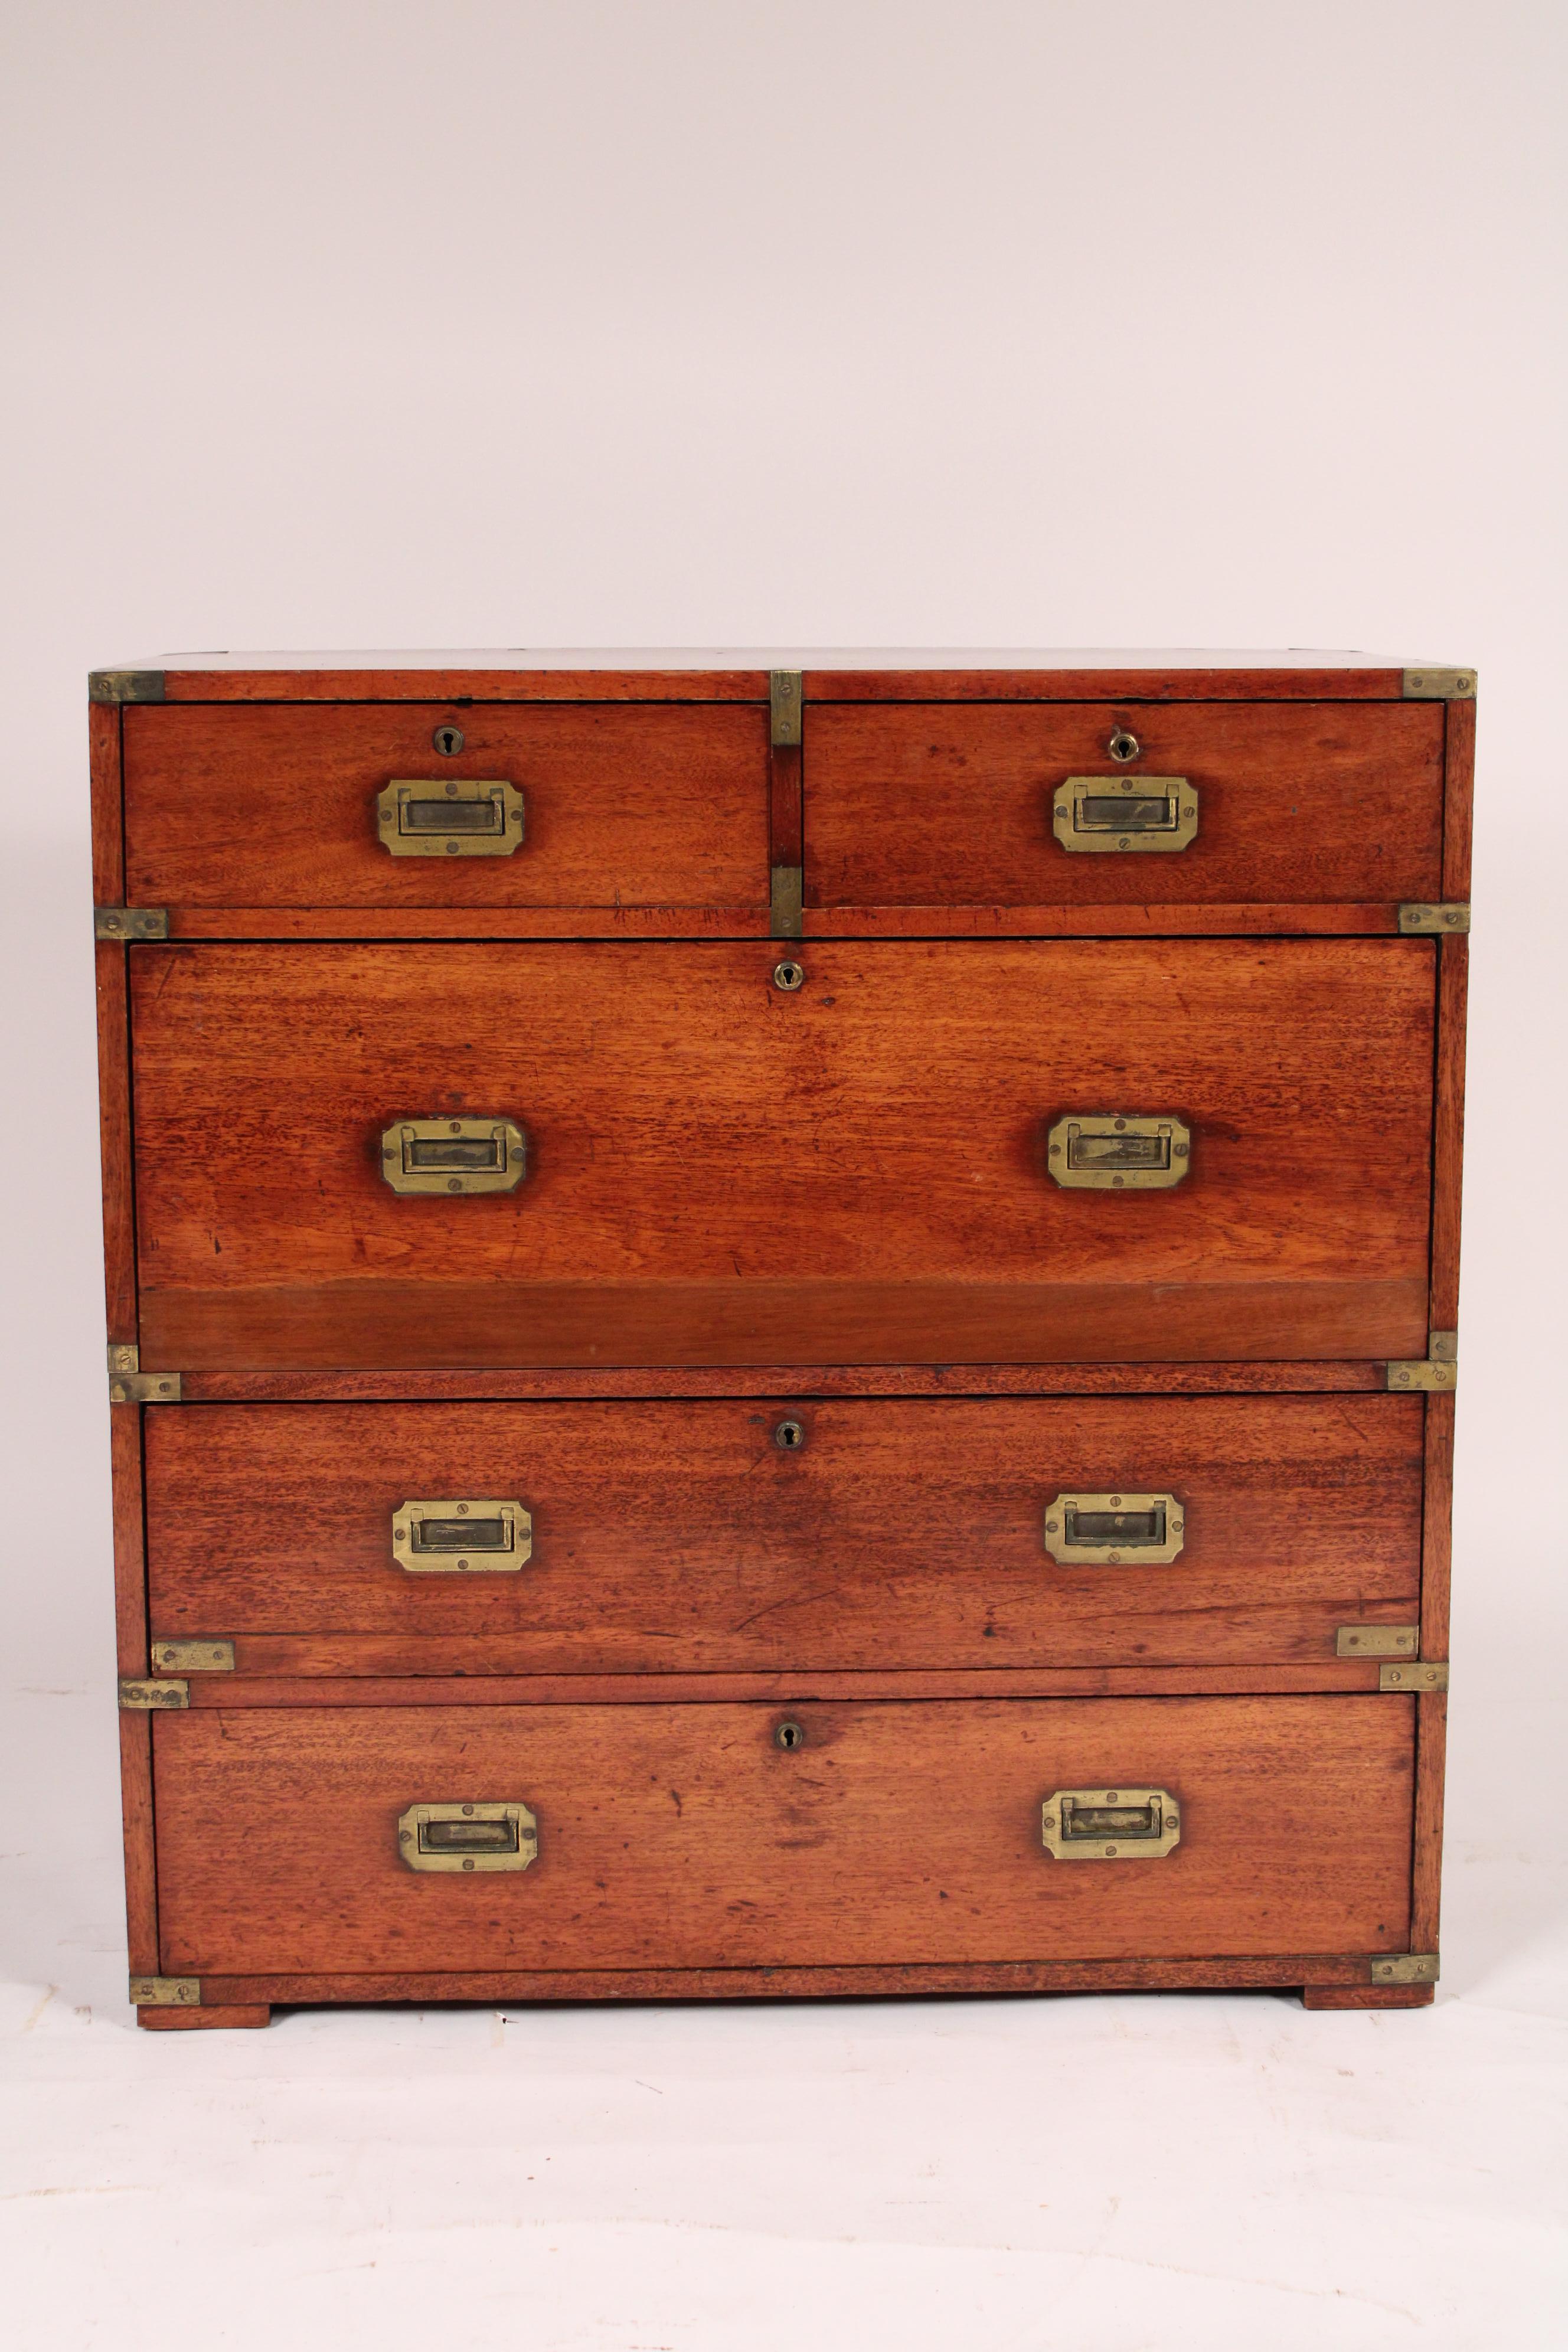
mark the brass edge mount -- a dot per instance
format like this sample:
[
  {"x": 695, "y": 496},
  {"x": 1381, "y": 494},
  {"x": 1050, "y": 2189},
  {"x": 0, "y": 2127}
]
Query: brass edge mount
[
  {"x": 784, "y": 700},
  {"x": 125, "y": 686},
  {"x": 1440, "y": 1370},
  {"x": 1428, "y": 685},
  {"x": 1423, "y": 1676},
  {"x": 127, "y": 1384},
  {"x": 1376, "y": 1641},
  {"x": 785, "y": 891},
  {"x": 166, "y": 1992},
  {"x": 122, "y": 924},
  {"x": 1404, "y": 1967},
  {"x": 140, "y": 1694},
  {"x": 1446, "y": 921},
  {"x": 207, "y": 1657}
]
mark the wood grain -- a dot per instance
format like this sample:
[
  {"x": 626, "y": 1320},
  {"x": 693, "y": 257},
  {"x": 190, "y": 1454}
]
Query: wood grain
[
  {"x": 903, "y": 1533},
  {"x": 684, "y": 1837},
  {"x": 1315, "y": 1996},
  {"x": 478, "y": 923},
  {"x": 1431, "y": 1746},
  {"x": 806, "y": 1380},
  {"x": 1449, "y": 1132},
  {"x": 1200, "y": 918},
  {"x": 1459, "y": 775},
  {"x": 362, "y": 1670},
  {"x": 129, "y": 1540},
  {"x": 115, "y": 1146},
  {"x": 722, "y": 1173},
  {"x": 207, "y": 2016},
  {"x": 107, "y": 825},
  {"x": 931, "y": 805},
  {"x": 136, "y": 1825},
  {"x": 276, "y": 806}
]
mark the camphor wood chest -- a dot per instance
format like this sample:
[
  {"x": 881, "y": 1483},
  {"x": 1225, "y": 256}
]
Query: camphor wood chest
[{"x": 780, "y": 1323}]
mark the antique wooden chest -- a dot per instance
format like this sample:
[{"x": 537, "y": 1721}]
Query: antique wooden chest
[{"x": 803, "y": 1304}]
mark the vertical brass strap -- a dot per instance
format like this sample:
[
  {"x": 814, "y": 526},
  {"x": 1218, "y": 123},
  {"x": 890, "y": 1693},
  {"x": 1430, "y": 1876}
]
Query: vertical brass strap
[{"x": 786, "y": 853}]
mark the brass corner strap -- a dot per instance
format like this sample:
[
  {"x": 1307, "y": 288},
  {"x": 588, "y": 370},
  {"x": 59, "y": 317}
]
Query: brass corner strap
[
  {"x": 1448, "y": 920},
  {"x": 206, "y": 1657},
  {"x": 1425, "y": 1674},
  {"x": 123, "y": 924},
  {"x": 786, "y": 697},
  {"x": 1376, "y": 1641},
  {"x": 1440, "y": 1371},
  {"x": 1429, "y": 685},
  {"x": 166, "y": 1992},
  {"x": 1404, "y": 1967},
  {"x": 142, "y": 1695},
  {"x": 127, "y": 1384},
  {"x": 125, "y": 686}
]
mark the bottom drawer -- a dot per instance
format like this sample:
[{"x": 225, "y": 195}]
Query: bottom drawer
[{"x": 689, "y": 1836}]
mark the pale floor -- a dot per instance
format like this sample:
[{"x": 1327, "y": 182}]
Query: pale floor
[{"x": 1107, "y": 2174}]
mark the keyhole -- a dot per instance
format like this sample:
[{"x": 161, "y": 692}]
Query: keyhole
[
  {"x": 790, "y": 1735},
  {"x": 1124, "y": 746},
  {"x": 788, "y": 976},
  {"x": 449, "y": 742},
  {"x": 790, "y": 1436}
]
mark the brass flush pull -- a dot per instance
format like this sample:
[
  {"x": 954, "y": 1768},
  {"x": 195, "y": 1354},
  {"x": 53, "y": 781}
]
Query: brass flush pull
[
  {"x": 1109, "y": 1824},
  {"x": 1102, "y": 1150},
  {"x": 790, "y": 1436},
  {"x": 454, "y": 1155},
  {"x": 478, "y": 1837},
  {"x": 788, "y": 976},
  {"x": 1121, "y": 813},
  {"x": 460, "y": 818},
  {"x": 1104, "y": 1530},
  {"x": 789, "y": 1734},
  {"x": 1123, "y": 744},
  {"x": 475, "y": 1538}
]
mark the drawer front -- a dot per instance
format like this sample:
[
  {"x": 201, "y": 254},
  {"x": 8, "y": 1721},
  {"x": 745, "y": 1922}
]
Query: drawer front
[
  {"x": 740, "y": 1535},
  {"x": 720, "y": 1171},
  {"x": 953, "y": 805},
  {"x": 686, "y": 1836},
  {"x": 277, "y": 806}
]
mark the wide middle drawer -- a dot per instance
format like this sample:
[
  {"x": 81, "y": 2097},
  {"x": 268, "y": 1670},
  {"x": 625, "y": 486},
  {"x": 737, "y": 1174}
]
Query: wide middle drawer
[{"x": 752, "y": 1534}]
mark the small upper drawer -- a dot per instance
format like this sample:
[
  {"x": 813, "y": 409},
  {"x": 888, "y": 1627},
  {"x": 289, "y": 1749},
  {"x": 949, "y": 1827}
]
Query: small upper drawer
[
  {"x": 1065, "y": 805},
  {"x": 607, "y": 807}
]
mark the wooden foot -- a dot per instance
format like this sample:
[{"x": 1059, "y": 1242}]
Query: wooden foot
[
  {"x": 1416, "y": 1996},
  {"x": 186, "y": 2020}
]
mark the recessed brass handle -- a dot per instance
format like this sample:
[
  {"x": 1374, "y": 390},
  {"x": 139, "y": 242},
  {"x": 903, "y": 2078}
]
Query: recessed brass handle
[
  {"x": 454, "y": 1155},
  {"x": 1105, "y": 1530},
  {"x": 1109, "y": 1824},
  {"x": 1110, "y": 1151},
  {"x": 474, "y": 1537},
  {"x": 483, "y": 1835},
  {"x": 459, "y": 817},
  {"x": 1123, "y": 812}
]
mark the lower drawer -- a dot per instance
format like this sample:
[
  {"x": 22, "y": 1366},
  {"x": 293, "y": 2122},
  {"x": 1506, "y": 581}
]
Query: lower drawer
[
  {"x": 689, "y": 1836},
  {"x": 684, "y": 1537}
]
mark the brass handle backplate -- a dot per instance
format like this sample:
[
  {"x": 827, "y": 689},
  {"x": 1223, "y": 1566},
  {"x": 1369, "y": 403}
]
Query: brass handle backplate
[
  {"x": 1112, "y": 1151},
  {"x": 472, "y": 1537},
  {"x": 452, "y": 817},
  {"x": 1104, "y": 1530},
  {"x": 454, "y": 1155},
  {"x": 1109, "y": 1824},
  {"x": 1124, "y": 812},
  {"x": 483, "y": 1835}
]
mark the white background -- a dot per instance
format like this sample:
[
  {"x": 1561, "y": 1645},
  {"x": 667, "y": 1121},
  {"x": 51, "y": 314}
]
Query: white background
[{"x": 496, "y": 323}]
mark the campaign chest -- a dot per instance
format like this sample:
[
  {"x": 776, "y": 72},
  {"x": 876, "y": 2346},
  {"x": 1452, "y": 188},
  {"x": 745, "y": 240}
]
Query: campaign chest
[{"x": 779, "y": 1323}]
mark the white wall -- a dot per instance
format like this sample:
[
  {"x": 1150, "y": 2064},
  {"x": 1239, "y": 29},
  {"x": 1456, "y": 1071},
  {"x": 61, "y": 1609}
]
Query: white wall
[{"x": 481, "y": 324}]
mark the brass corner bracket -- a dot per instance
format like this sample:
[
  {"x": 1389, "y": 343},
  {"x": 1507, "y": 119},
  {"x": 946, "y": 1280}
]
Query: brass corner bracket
[
  {"x": 1404, "y": 1967},
  {"x": 125, "y": 686},
  {"x": 1439, "y": 1373},
  {"x": 120, "y": 925},
  {"x": 785, "y": 695},
  {"x": 144, "y": 1694},
  {"x": 1445, "y": 921},
  {"x": 166, "y": 1992},
  {"x": 127, "y": 1384},
  {"x": 1425, "y": 1676},
  {"x": 1428, "y": 685}
]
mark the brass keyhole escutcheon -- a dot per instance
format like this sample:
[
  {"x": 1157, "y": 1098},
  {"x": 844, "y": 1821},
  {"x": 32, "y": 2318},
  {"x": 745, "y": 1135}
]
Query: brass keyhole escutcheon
[
  {"x": 789, "y": 1734},
  {"x": 788, "y": 976},
  {"x": 449, "y": 742},
  {"x": 790, "y": 1436},
  {"x": 1123, "y": 745}
]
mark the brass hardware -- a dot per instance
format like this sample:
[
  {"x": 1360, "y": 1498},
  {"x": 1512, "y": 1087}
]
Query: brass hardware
[
  {"x": 465, "y": 818},
  {"x": 1123, "y": 744},
  {"x": 1440, "y": 1370},
  {"x": 454, "y": 1155},
  {"x": 784, "y": 896},
  {"x": 194, "y": 1657},
  {"x": 480, "y": 1836},
  {"x": 1103, "y": 1530},
  {"x": 788, "y": 976},
  {"x": 144, "y": 1696},
  {"x": 784, "y": 706},
  {"x": 1109, "y": 1824},
  {"x": 790, "y": 1436},
  {"x": 475, "y": 1537},
  {"x": 449, "y": 742},
  {"x": 789, "y": 1734},
  {"x": 125, "y": 686},
  {"x": 1423, "y": 1677},
  {"x": 1439, "y": 685},
  {"x": 1441, "y": 922},
  {"x": 1376, "y": 1641},
  {"x": 1104, "y": 1151},
  {"x": 1404, "y": 1967},
  {"x": 127, "y": 1384},
  {"x": 166, "y": 1992},
  {"x": 1118, "y": 812},
  {"x": 127, "y": 923}
]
